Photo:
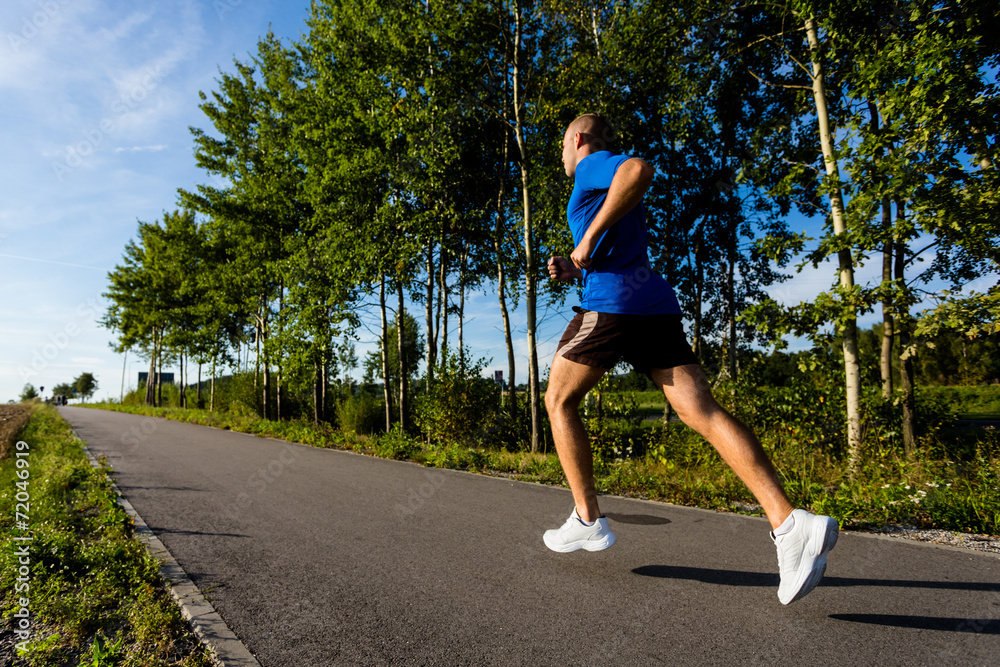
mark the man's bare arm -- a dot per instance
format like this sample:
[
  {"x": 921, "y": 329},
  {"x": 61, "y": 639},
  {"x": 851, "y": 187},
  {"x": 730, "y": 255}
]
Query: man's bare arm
[{"x": 627, "y": 189}]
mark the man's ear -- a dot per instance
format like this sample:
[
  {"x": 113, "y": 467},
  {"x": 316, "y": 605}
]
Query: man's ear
[{"x": 579, "y": 139}]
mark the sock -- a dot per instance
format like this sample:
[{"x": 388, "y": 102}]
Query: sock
[
  {"x": 587, "y": 523},
  {"x": 786, "y": 527}
]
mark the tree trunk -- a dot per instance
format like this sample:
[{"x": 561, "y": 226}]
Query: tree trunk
[
  {"x": 888, "y": 321},
  {"x": 324, "y": 373},
  {"x": 429, "y": 314},
  {"x": 150, "y": 398},
  {"x": 180, "y": 368},
  {"x": 529, "y": 251},
  {"x": 159, "y": 378},
  {"x": 461, "y": 311},
  {"x": 281, "y": 308},
  {"x": 443, "y": 293},
  {"x": 256, "y": 358},
  {"x": 498, "y": 238},
  {"x": 906, "y": 347},
  {"x": 211, "y": 394},
  {"x": 121, "y": 398},
  {"x": 852, "y": 368},
  {"x": 508, "y": 341},
  {"x": 384, "y": 338},
  {"x": 404, "y": 368},
  {"x": 317, "y": 394},
  {"x": 266, "y": 394},
  {"x": 699, "y": 286},
  {"x": 731, "y": 306},
  {"x": 198, "y": 394},
  {"x": 885, "y": 357}
]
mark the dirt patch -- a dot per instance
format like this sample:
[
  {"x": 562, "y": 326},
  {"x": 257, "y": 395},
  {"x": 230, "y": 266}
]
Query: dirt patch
[{"x": 13, "y": 418}]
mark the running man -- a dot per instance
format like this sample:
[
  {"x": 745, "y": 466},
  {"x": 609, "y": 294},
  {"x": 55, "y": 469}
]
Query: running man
[{"x": 630, "y": 312}]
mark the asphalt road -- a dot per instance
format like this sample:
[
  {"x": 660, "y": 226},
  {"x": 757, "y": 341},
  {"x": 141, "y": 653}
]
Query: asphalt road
[{"x": 321, "y": 557}]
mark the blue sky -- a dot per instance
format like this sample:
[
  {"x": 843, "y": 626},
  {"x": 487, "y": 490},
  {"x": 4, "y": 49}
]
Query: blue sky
[{"x": 97, "y": 98}]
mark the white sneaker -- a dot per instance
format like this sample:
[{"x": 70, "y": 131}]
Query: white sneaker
[
  {"x": 802, "y": 554},
  {"x": 575, "y": 535}
]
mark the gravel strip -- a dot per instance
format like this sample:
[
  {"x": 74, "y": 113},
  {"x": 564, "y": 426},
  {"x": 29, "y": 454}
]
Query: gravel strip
[{"x": 988, "y": 543}]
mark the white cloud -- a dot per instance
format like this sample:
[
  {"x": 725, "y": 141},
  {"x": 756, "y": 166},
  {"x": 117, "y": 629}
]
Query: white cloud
[
  {"x": 86, "y": 361},
  {"x": 125, "y": 26},
  {"x": 137, "y": 149}
]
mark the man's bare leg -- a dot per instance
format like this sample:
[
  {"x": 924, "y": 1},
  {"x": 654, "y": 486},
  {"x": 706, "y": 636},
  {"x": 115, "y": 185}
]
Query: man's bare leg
[
  {"x": 690, "y": 395},
  {"x": 569, "y": 382}
]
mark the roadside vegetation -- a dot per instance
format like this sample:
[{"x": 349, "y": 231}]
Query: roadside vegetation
[
  {"x": 952, "y": 481},
  {"x": 95, "y": 594}
]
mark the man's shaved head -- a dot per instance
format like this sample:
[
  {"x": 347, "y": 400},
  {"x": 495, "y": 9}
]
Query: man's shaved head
[
  {"x": 600, "y": 134},
  {"x": 587, "y": 134}
]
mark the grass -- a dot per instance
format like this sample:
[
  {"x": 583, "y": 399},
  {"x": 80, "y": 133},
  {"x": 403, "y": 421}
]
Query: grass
[
  {"x": 981, "y": 402},
  {"x": 950, "y": 485},
  {"x": 95, "y": 595}
]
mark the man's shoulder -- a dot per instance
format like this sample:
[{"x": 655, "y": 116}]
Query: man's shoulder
[{"x": 596, "y": 168}]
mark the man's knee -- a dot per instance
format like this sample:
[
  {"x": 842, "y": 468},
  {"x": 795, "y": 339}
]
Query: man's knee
[
  {"x": 697, "y": 407},
  {"x": 556, "y": 399}
]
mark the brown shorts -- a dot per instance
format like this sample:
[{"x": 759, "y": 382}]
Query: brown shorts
[{"x": 644, "y": 341}]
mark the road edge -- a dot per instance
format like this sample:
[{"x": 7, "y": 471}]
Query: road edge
[{"x": 226, "y": 648}]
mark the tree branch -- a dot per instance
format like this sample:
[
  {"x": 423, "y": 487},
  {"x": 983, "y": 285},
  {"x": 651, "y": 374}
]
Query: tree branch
[
  {"x": 802, "y": 164},
  {"x": 777, "y": 85},
  {"x": 921, "y": 251}
]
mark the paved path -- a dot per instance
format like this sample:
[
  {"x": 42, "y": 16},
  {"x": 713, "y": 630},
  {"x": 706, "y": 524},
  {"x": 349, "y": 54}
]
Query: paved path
[{"x": 321, "y": 557}]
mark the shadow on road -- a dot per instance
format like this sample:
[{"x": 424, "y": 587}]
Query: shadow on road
[
  {"x": 167, "y": 531},
  {"x": 737, "y": 578},
  {"x": 986, "y": 626},
  {"x": 638, "y": 519}
]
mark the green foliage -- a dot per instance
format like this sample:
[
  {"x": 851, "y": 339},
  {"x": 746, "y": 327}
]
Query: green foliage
[
  {"x": 413, "y": 346},
  {"x": 968, "y": 401},
  {"x": 63, "y": 389},
  {"x": 613, "y": 421},
  {"x": 360, "y": 412},
  {"x": 85, "y": 385},
  {"x": 461, "y": 407},
  {"x": 239, "y": 395},
  {"x": 28, "y": 393},
  {"x": 394, "y": 445}
]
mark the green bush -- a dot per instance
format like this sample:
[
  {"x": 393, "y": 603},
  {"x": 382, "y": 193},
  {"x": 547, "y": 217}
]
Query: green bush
[
  {"x": 614, "y": 424},
  {"x": 461, "y": 407},
  {"x": 238, "y": 394},
  {"x": 360, "y": 412}
]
